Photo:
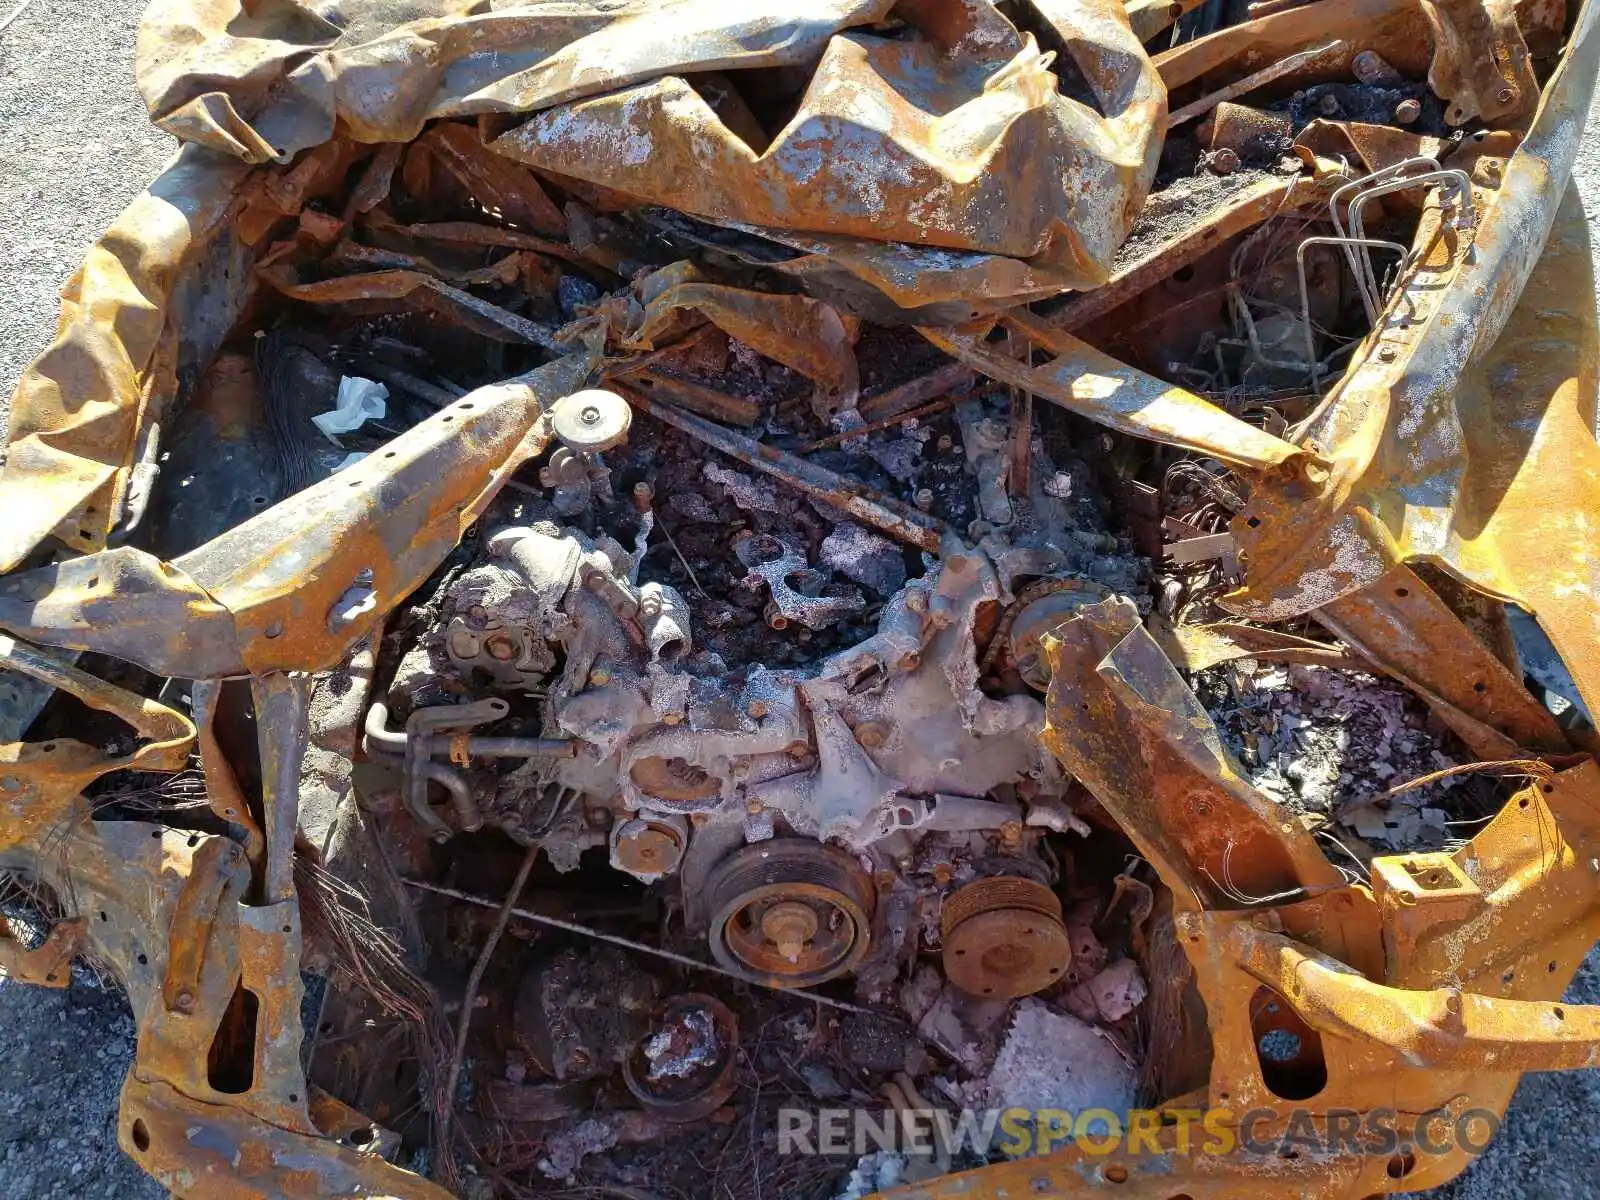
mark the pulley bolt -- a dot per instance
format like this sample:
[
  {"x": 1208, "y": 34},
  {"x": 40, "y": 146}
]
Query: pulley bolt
[
  {"x": 590, "y": 415},
  {"x": 789, "y": 926},
  {"x": 924, "y": 498}
]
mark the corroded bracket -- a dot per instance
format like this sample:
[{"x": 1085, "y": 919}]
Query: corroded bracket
[{"x": 47, "y": 965}]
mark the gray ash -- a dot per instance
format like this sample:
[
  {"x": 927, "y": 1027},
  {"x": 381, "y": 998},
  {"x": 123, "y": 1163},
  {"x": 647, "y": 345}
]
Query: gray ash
[{"x": 1329, "y": 743}]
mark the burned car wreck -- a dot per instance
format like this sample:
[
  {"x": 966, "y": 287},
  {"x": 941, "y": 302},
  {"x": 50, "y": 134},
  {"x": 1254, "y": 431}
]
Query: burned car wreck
[{"x": 582, "y": 578}]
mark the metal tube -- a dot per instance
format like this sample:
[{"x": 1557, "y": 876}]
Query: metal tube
[
  {"x": 510, "y": 747},
  {"x": 1358, "y": 205},
  {"x": 378, "y": 733},
  {"x": 460, "y": 795},
  {"x": 1305, "y": 294},
  {"x": 1355, "y": 185},
  {"x": 381, "y": 739}
]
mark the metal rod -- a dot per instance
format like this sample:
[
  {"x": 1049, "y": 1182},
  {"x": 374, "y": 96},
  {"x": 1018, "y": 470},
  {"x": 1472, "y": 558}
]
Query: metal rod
[
  {"x": 1021, "y": 447},
  {"x": 682, "y": 960},
  {"x": 927, "y": 410},
  {"x": 428, "y": 393},
  {"x": 1249, "y": 83},
  {"x": 885, "y": 513},
  {"x": 951, "y": 377},
  {"x": 470, "y": 997}
]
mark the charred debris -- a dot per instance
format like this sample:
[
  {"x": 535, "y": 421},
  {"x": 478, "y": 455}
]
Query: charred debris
[{"x": 707, "y": 776}]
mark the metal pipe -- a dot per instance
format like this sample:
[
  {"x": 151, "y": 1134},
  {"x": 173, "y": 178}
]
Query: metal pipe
[
  {"x": 1359, "y": 203},
  {"x": 381, "y": 738},
  {"x": 416, "y": 748},
  {"x": 1344, "y": 190},
  {"x": 378, "y": 733},
  {"x": 510, "y": 747},
  {"x": 1312, "y": 365},
  {"x": 467, "y": 812}
]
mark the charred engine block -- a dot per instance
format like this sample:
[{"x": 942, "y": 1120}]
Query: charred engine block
[{"x": 810, "y": 816}]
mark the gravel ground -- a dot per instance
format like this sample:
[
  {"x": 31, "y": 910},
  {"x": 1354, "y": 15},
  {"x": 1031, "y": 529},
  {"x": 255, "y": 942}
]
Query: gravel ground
[{"x": 74, "y": 149}]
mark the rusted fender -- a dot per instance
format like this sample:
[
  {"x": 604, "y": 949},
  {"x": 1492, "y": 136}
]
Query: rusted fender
[
  {"x": 1474, "y": 409},
  {"x": 266, "y": 80},
  {"x": 126, "y": 326}
]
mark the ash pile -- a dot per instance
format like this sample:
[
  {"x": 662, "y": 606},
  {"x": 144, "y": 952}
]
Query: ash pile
[{"x": 857, "y": 530}]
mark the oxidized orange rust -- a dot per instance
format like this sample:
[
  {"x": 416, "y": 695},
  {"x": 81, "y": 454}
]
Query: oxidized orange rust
[
  {"x": 1429, "y": 989},
  {"x": 1004, "y": 938},
  {"x": 50, "y": 963},
  {"x": 1095, "y": 385},
  {"x": 1431, "y": 459},
  {"x": 243, "y": 603}
]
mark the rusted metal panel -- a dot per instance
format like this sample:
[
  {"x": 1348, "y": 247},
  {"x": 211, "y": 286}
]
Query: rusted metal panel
[
  {"x": 1427, "y": 470},
  {"x": 933, "y": 164}
]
